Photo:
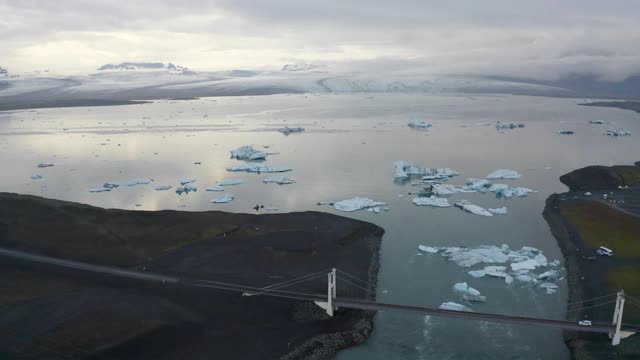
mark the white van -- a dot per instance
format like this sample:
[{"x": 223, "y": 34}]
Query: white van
[{"x": 604, "y": 251}]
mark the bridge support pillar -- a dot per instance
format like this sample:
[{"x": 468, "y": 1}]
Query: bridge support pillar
[
  {"x": 617, "y": 335},
  {"x": 329, "y": 306}
]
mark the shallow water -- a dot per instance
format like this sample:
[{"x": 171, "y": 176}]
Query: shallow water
[{"x": 348, "y": 150}]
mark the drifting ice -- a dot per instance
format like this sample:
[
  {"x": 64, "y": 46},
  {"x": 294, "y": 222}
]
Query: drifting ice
[
  {"x": 163, "y": 187},
  {"x": 503, "y": 190},
  {"x": 186, "y": 189},
  {"x": 618, "y": 132},
  {"x": 454, "y": 306},
  {"x": 223, "y": 199},
  {"x": 98, "y": 190},
  {"x": 231, "y": 183},
  {"x": 36, "y": 177},
  {"x": 247, "y": 152},
  {"x": 187, "y": 181},
  {"x": 431, "y": 201},
  {"x": 356, "y": 203},
  {"x": 280, "y": 180},
  {"x": 504, "y": 174},
  {"x": 500, "y": 125},
  {"x": 287, "y": 130},
  {"x": 481, "y": 185},
  {"x": 404, "y": 169},
  {"x": 421, "y": 124},
  {"x": 499, "y": 211},
  {"x": 428, "y": 249},
  {"x": 138, "y": 182},
  {"x": 257, "y": 168},
  {"x": 464, "y": 289},
  {"x": 214, "y": 188},
  {"x": 474, "y": 209}
]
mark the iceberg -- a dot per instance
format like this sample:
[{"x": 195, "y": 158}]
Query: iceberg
[
  {"x": 280, "y": 180},
  {"x": 443, "y": 189},
  {"x": 471, "y": 208},
  {"x": 503, "y": 190},
  {"x": 464, "y": 289},
  {"x": 419, "y": 124},
  {"x": 214, "y": 188},
  {"x": 548, "y": 275},
  {"x": 231, "y": 183},
  {"x": 500, "y": 125},
  {"x": 597, "y": 122},
  {"x": 496, "y": 271},
  {"x": 287, "y": 130},
  {"x": 480, "y": 185},
  {"x": 474, "y": 298},
  {"x": 110, "y": 186},
  {"x": 138, "y": 182},
  {"x": 454, "y": 307},
  {"x": 498, "y": 211},
  {"x": 404, "y": 169},
  {"x": 356, "y": 203},
  {"x": 257, "y": 168},
  {"x": 504, "y": 174},
  {"x": 163, "y": 187},
  {"x": 550, "y": 287},
  {"x": 223, "y": 199},
  {"x": 618, "y": 132},
  {"x": 477, "y": 273},
  {"x": 99, "y": 190},
  {"x": 248, "y": 152},
  {"x": 530, "y": 264},
  {"x": 36, "y": 177},
  {"x": 566, "y": 132},
  {"x": 186, "y": 189},
  {"x": 44, "y": 165},
  {"x": 428, "y": 249},
  {"x": 187, "y": 181},
  {"x": 431, "y": 201},
  {"x": 466, "y": 257}
]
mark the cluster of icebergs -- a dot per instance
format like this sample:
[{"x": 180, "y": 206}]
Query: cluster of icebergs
[
  {"x": 617, "y": 132},
  {"x": 405, "y": 169},
  {"x": 248, "y": 152},
  {"x": 501, "y": 262}
]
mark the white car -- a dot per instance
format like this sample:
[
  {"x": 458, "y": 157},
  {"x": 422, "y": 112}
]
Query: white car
[{"x": 584, "y": 322}]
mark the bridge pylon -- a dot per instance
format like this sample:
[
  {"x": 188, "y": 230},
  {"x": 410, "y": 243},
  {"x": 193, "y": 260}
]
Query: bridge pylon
[
  {"x": 617, "y": 335},
  {"x": 329, "y": 306}
]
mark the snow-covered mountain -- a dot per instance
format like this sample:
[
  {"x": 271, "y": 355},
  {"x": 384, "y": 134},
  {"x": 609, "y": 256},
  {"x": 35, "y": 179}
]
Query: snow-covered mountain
[{"x": 148, "y": 66}]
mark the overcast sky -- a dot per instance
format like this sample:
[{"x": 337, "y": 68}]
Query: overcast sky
[{"x": 542, "y": 39}]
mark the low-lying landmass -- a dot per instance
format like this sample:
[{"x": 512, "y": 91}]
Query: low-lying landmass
[
  {"x": 599, "y": 210},
  {"x": 626, "y": 105},
  {"x": 53, "y": 312}
]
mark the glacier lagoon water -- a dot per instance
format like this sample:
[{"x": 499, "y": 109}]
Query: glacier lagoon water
[{"x": 347, "y": 150}]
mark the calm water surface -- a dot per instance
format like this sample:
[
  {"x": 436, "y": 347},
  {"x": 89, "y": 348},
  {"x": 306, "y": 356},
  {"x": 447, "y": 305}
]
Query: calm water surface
[{"x": 348, "y": 150}]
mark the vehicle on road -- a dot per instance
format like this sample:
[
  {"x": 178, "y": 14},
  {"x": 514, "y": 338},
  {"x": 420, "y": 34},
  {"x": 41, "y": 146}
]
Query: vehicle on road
[{"x": 584, "y": 322}]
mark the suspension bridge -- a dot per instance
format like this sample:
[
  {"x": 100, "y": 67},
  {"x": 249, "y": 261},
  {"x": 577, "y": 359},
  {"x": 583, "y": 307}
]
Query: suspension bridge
[{"x": 330, "y": 302}]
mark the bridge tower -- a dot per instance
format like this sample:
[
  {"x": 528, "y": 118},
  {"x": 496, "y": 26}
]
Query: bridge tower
[
  {"x": 617, "y": 335},
  {"x": 329, "y": 306}
]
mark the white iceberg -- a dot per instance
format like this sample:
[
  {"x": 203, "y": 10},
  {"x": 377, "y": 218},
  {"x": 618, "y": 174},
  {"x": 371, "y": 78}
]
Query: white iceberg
[
  {"x": 36, "y": 177},
  {"x": 248, "y": 152},
  {"x": 530, "y": 264},
  {"x": 223, "y": 199},
  {"x": 44, "y": 165},
  {"x": 404, "y": 169},
  {"x": 617, "y": 132},
  {"x": 110, "y": 185},
  {"x": 464, "y": 289},
  {"x": 257, "y": 168},
  {"x": 231, "y": 183},
  {"x": 481, "y": 185},
  {"x": 214, "y": 188},
  {"x": 496, "y": 271},
  {"x": 466, "y": 257},
  {"x": 99, "y": 190},
  {"x": 504, "y": 174},
  {"x": 431, "y": 201},
  {"x": 186, "y": 189},
  {"x": 477, "y": 273},
  {"x": 454, "y": 307},
  {"x": 471, "y": 208},
  {"x": 503, "y": 190},
  {"x": 187, "y": 181},
  {"x": 443, "y": 189},
  {"x": 550, "y": 287},
  {"x": 163, "y": 187},
  {"x": 499, "y": 211},
  {"x": 501, "y": 125},
  {"x": 356, "y": 203},
  {"x": 548, "y": 275},
  {"x": 428, "y": 249},
  {"x": 474, "y": 298},
  {"x": 138, "y": 182},
  {"x": 421, "y": 124},
  {"x": 280, "y": 180},
  {"x": 287, "y": 130}
]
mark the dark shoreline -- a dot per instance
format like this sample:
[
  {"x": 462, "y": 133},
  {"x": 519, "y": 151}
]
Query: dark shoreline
[{"x": 242, "y": 248}]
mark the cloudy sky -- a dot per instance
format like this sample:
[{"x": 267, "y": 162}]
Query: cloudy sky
[{"x": 544, "y": 39}]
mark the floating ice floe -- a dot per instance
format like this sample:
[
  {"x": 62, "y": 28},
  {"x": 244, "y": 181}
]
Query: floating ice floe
[
  {"x": 471, "y": 208},
  {"x": 617, "y": 132},
  {"x": 428, "y": 249},
  {"x": 503, "y": 190},
  {"x": 257, "y": 168},
  {"x": 138, "y": 182},
  {"x": 375, "y": 210},
  {"x": 525, "y": 265},
  {"x": 419, "y": 124},
  {"x": 186, "y": 189},
  {"x": 214, "y": 188},
  {"x": 454, "y": 307},
  {"x": 464, "y": 289},
  {"x": 404, "y": 169},
  {"x": 566, "y": 132},
  {"x": 247, "y": 152},
  {"x": 287, "y": 130},
  {"x": 500, "y": 125},
  {"x": 356, "y": 203},
  {"x": 223, "y": 199},
  {"x": 499, "y": 211},
  {"x": 110, "y": 185},
  {"x": 36, "y": 177},
  {"x": 481, "y": 185},
  {"x": 163, "y": 187},
  {"x": 99, "y": 190},
  {"x": 44, "y": 165},
  {"x": 550, "y": 287},
  {"x": 504, "y": 174},
  {"x": 588, "y": 193},
  {"x": 280, "y": 180},
  {"x": 232, "y": 182},
  {"x": 187, "y": 181},
  {"x": 431, "y": 201},
  {"x": 597, "y": 122}
]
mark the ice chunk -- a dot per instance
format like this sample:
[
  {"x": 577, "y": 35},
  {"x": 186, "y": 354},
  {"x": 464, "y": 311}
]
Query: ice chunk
[
  {"x": 474, "y": 209},
  {"x": 257, "y": 168},
  {"x": 541, "y": 259},
  {"x": 500, "y": 125},
  {"x": 232, "y": 182},
  {"x": 588, "y": 193},
  {"x": 443, "y": 189},
  {"x": 421, "y": 124},
  {"x": 474, "y": 298},
  {"x": 431, "y": 201},
  {"x": 248, "y": 152},
  {"x": 526, "y": 278},
  {"x": 597, "y": 122},
  {"x": 110, "y": 185},
  {"x": 462, "y": 288},
  {"x": 163, "y": 187},
  {"x": 550, "y": 287},
  {"x": 36, "y": 177},
  {"x": 503, "y": 190},
  {"x": 186, "y": 189},
  {"x": 548, "y": 275},
  {"x": 469, "y": 257},
  {"x": 508, "y": 279},
  {"x": 223, "y": 199},
  {"x": 504, "y": 174},
  {"x": 43, "y": 165},
  {"x": 496, "y": 271},
  {"x": 356, "y": 203},
  {"x": 428, "y": 249},
  {"x": 404, "y": 169},
  {"x": 138, "y": 182},
  {"x": 454, "y": 307},
  {"x": 525, "y": 265},
  {"x": 565, "y": 132},
  {"x": 478, "y": 184},
  {"x": 477, "y": 273},
  {"x": 287, "y": 130},
  {"x": 499, "y": 211},
  {"x": 281, "y": 180},
  {"x": 617, "y": 132},
  {"x": 214, "y": 188},
  {"x": 187, "y": 181},
  {"x": 98, "y": 190}
]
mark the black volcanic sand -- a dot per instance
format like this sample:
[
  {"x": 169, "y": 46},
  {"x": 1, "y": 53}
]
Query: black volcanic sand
[
  {"x": 602, "y": 177},
  {"x": 48, "y": 312},
  {"x": 582, "y": 223},
  {"x": 625, "y": 105}
]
